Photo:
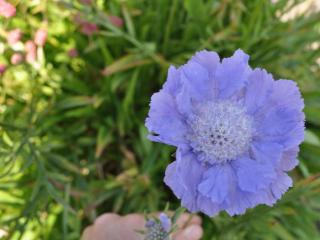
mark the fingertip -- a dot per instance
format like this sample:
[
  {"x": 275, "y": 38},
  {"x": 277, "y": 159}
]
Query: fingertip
[
  {"x": 88, "y": 231},
  {"x": 193, "y": 232},
  {"x": 185, "y": 218},
  {"x": 134, "y": 219},
  {"x": 106, "y": 218},
  {"x": 196, "y": 220}
]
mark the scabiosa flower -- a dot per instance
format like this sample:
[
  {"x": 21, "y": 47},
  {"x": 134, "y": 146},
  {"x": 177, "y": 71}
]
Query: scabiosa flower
[
  {"x": 7, "y": 10},
  {"x": 158, "y": 229},
  {"x": 14, "y": 36},
  {"x": 236, "y": 130}
]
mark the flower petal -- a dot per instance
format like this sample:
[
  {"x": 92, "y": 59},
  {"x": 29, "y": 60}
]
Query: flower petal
[
  {"x": 165, "y": 121},
  {"x": 173, "y": 83},
  {"x": 282, "y": 184},
  {"x": 286, "y": 93},
  {"x": 267, "y": 152},
  {"x": 282, "y": 125},
  {"x": 253, "y": 176},
  {"x": 216, "y": 182},
  {"x": 196, "y": 78},
  {"x": 282, "y": 119},
  {"x": 239, "y": 201},
  {"x": 258, "y": 89},
  {"x": 183, "y": 177},
  {"x": 165, "y": 222},
  {"x": 232, "y": 74},
  {"x": 184, "y": 101},
  {"x": 208, "y": 59},
  {"x": 265, "y": 196},
  {"x": 207, "y": 206},
  {"x": 289, "y": 159},
  {"x": 279, "y": 121}
]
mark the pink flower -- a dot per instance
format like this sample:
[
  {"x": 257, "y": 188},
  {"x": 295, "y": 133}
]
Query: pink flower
[
  {"x": 86, "y": 2},
  {"x": 72, "y": 52},
  {"x": 31, "y": 57},
  {"x": 40, "y": 37},
  {"x": 116, "y": 21},
  {"x": 88, "y": 28},
  {"x": 2, "y": 68},
  {"x": 78, "y": 18},
  {"x": 16, "y": 58},
  {"x": 14, "y": 36},
  {"x": 31, "y": 50},
  {"x": 30, "y": 46},
  {"x": 7, "y": 10}
]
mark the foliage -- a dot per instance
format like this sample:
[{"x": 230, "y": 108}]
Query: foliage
[{"x": 73, "y": 142}]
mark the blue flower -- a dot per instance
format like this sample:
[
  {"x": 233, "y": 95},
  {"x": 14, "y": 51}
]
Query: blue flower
[
  {"x": 158, "y": 229},
  {"x": 165, "y": 222},
  {"x": 237, "y": 133}
]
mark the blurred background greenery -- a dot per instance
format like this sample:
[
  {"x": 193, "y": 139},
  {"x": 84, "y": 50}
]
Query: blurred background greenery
[{"x": 74, "y": 98}]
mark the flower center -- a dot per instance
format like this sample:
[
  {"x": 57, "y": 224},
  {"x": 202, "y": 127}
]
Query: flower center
[
  {"x": 155, "y": 231},
  {"x": 221, "y": 131}
]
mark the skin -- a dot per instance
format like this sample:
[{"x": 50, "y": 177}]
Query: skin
[{"x": 110, "y": 226}]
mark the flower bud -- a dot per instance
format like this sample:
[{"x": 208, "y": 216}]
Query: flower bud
[
  {"x": 14, "y": 36},
  {"x": 7, "y": 10},
  {"x": 16, "y": 58},
  {"x": 40, "y": 37}
]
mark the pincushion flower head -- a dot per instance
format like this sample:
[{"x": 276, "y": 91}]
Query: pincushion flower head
[
  {"x": 236, "y": 129},
  {"x": 158, "y": 229}
]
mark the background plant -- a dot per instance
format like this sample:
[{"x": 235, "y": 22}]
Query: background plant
[{"x": 73, "y": 142}]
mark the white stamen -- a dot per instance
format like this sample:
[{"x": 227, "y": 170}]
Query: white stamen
[{"x": 221, "y": 131}]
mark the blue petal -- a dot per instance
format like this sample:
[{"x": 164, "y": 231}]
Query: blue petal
[
  {"x": 239, "y": 201},
  {"x": 196, "y": 87},
  {"x": 286, "y": 93},
  {"x": 184, "y": 101},
  {"x": 232, "y": 74},
  {"x": 196, "y": 78},
  {"x": 282, "y": 119},
  {"x": 282, "y": 125},
  {"x": 253, "y": 176},
  {"x": 165, "y": 121},
  {"x": 207, "y": 206},
  {"x": 265, "y": 196},
  {"x": 279, "y": 121},
  {"x": 267, "y": 152},
  {"x": 289, "y": 160},
  {"x": 216, "y": 182},
  {"x": 295, "y": 136},
  {"x": 173, "y": 83},
  {"x": 258, "y": 89},
  {"x": 177, "y": 86},
  {"x": 282, "y": 184},
  {"x": 208, "y": 59},
  {"x": 183, "y": 177},
  {"x": 165, "y": 222}
]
